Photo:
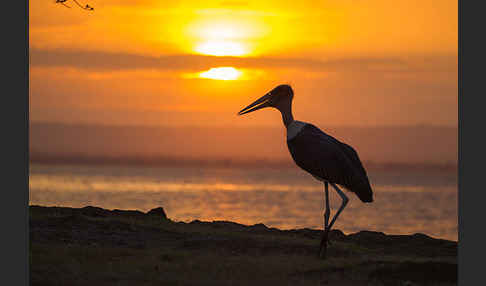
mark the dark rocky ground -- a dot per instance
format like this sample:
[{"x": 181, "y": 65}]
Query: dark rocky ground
[{"x": 94, "y": 246}]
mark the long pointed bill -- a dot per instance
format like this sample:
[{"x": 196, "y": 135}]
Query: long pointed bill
[{"x": 258, "y": 104}]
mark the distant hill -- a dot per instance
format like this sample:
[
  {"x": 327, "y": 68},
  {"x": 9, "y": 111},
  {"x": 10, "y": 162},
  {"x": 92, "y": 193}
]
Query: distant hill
[{"x": 376, "y": 145}]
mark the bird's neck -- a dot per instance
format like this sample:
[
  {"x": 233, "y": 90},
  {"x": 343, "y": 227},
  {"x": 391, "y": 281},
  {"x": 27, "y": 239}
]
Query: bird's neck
[{"x": 287, "y": 116}]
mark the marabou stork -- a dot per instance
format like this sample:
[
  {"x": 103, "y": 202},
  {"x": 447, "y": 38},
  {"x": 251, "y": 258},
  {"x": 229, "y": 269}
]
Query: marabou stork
[{"x": 320, "y": 154}]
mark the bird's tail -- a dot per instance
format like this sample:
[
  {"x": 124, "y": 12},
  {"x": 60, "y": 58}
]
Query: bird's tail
[{"x": 364, "y": 191}]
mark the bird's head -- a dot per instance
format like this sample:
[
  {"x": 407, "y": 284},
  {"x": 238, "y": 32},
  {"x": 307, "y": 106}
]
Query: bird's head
[{"x": 280, "y": 98}]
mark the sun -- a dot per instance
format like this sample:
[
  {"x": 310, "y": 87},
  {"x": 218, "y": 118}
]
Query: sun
[
  {"x": 221, "y": 48},
  {"x": 221, "y": 73},
  {"x": 222, "y": 37}
]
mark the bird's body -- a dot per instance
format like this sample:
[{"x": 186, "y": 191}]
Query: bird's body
[
  {"x": 328, "y": 159},
  {"x": 323, "y": 156}
]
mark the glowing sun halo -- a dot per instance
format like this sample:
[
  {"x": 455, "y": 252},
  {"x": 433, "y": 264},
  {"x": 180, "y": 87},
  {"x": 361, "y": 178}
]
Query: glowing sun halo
[{"x": 221, "y": 73}]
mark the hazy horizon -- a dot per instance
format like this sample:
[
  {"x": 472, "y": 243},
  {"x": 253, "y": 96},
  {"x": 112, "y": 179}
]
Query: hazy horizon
[{"x": 376, "y": 145}]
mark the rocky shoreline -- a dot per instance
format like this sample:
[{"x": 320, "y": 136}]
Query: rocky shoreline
[{"x": 91, "y": 245}]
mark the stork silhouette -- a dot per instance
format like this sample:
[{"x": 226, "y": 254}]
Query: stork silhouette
[{"x": 324, "y": 157}]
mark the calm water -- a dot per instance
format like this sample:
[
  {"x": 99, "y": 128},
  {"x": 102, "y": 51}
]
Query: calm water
[{"x": 406, "y": 202}]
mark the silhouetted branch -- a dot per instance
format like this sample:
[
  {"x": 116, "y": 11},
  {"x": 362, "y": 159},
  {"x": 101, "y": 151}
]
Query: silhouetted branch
[
  {"x": 62, "y": 2},
  {"x": 87, "y": 7}
]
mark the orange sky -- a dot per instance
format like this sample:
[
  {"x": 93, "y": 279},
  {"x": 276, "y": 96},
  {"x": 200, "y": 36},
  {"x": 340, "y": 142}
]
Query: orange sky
[{"x": 150, "y": 62}]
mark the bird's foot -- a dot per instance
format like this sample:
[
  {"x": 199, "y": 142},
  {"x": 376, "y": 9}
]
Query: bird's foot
[
  {"x": 329, "y": 241},
  {"x": 323, "y": 245}
]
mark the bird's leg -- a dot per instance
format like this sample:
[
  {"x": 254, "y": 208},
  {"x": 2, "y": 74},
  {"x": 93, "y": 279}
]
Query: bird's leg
[
  {"x": 328, "y": 211},
  {"x": 343, "y": 205},
  {"x": 325, "y": 232},
  {"x": 327, "y": 214}
]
